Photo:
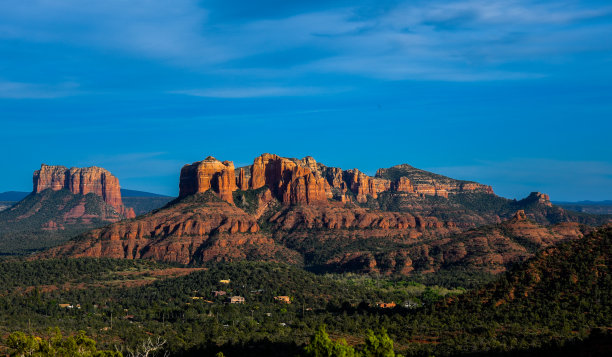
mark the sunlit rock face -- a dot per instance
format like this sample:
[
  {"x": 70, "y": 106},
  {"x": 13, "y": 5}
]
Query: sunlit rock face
[{"x": 82, "y": 181}]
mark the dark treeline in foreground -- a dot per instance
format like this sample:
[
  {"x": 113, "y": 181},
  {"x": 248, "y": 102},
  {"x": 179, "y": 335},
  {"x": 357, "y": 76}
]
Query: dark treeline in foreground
[{"x": 556, "y": 303}]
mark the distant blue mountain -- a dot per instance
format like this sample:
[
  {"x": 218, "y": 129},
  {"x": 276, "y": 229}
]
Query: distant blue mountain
[
  {"x": 134, "y": 193},
  {"x": 586, "y": 203},
  {"x": 13, "y": 195},
  {"x": 18, "y": 195}
]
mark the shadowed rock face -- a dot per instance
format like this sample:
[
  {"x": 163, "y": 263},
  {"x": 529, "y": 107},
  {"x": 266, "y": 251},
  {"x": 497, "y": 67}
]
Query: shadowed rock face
[{"x": 82, "y": 181}]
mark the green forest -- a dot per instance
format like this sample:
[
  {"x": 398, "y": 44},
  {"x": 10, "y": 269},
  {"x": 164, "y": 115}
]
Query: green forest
[{"x": 558, "y": 301}]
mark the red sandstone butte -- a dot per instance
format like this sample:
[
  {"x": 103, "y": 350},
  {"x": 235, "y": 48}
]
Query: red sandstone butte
[
  {"x": 82, "y": 181},
  {"x": 208, "y": 174}
]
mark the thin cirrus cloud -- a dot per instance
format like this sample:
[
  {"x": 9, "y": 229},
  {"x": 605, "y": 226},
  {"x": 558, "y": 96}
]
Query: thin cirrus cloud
[
  {"x": 448, "y": 40},
  {"x": 19, "y": 90},
  {"x": 162, "y": 30},
  {"x": 467, "y": 40},
  {"x": 432, "y": 40},
  {"x": 256, "y": 92}
]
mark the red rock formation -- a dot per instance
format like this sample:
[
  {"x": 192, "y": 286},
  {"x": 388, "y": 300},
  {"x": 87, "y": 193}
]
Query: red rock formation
[
  {"x": 542, "y": 198},
  {"x": 292, "y": 181},
  {"x": 82, "y": 181},
  {"x": 363, "y": 185},
  {"x": 334, "y": 176},
  {"x": 208, "y": 174},
  {"x": 427, "y": 183},
  {"x": 473, "y": 186},
  {"x": 241, "y": 181},
  {"x": 293, "y": 203},
  {"x": 334, "y": 217},
  {"x": 490, "y": 249},
  {"x": 403, "y": 184},
  {"x": 304, "y": 187},
  {"x": 519, "y": 215},
  {"x": 188, "y": 231}
]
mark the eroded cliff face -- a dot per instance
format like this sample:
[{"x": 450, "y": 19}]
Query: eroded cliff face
[
  {"x": 363, "y": 185},
  {"x": 208, "y": 174},
  {"x": 409, "y": 179},
  {"x": 540, "y": 198},
  {"x": 306, "y": 182},
  {"x": 302, "y": 212},
  {"x": 82, "y": 181},
  {"x": 490, "y": 249},
  {"x": 292, "y": 181},
  {"x": 192, "y": 230},
  {"x": 336, "y": 217}
]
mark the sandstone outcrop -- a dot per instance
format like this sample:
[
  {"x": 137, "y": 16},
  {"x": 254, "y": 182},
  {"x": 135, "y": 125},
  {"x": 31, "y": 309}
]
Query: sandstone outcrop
[
  {"x": 242, "y": 181},
  {"x": 292, "y": 181},
  {"x": 306, "y": 182},
  {"x": 540, "y": 198},
  {"x": 403, "y": 184},
  {"x": 190, "y": 231},
  {"x": 491, "y": 249},
  {"x": 334, "y": 217},
  {"x": 519, "y": 215},
  {"x": 208, "y": 174},
  {"x": 363, "y": 185},
  {"x": 302, "y": 212},
  {"x": 82, "y": 181},
  {"x": 428, "y": 183}
]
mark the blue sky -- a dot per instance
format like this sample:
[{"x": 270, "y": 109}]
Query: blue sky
[{"x": 516, "y": 94}]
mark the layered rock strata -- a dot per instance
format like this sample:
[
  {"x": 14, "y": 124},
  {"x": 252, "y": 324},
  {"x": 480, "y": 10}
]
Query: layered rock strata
[
  {"x": 208, "y": 174},
  {"x": 306, "y": 182},
  {"x": 82, "y": 181},
  {"x": 187, "y": 232},
  {"x": 491, "y": 249},
  {"x": 303, "y": 212}
]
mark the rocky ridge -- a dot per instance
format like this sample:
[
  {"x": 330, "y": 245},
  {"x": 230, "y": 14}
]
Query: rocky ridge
[
  {"x": 304, "y": 181},
  {"x": 428, "y": 183},
  {"x": 305, "y": 213},
  {"x": 489, "y": 249},
  {"x": 200, "y": 227}
]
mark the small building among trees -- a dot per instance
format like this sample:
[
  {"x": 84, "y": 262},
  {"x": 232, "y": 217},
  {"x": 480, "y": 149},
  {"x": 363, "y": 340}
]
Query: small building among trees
[
  {"x": 284, "y": 299},
  {"x": 236, "y": 300}
]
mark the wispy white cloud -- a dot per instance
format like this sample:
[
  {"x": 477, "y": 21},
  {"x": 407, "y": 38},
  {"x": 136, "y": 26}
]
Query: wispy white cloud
[
  {"x": 469, "y": 40},
  {"x": 456, "y": 41},
  {"x": 19, "y": 90},
  {"x": 255, "y": 92},
  {"x": 167, "y": 30}
]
